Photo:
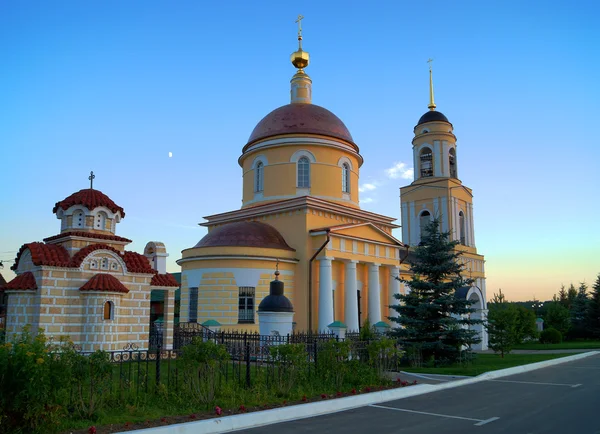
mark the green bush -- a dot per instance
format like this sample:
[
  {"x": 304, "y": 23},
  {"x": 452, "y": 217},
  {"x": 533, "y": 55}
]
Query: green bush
[
  {"x": 551, "y": 336},
  {"x": 33, "y": 384},
  {"x": 291, "y": 363},
  {"x": 202, "y": 363}
]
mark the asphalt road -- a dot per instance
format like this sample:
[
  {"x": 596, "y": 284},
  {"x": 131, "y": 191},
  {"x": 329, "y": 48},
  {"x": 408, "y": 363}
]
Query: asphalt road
[{"x": 560, "y": 399}]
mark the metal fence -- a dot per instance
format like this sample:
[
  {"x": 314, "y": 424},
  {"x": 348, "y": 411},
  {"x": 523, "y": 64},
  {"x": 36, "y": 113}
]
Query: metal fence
[{"x": 252, "y": 343}]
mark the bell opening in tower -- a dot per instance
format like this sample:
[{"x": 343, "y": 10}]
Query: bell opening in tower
[
  {"x": 426, "y": 160},
  {"x": 452, "y": 162}
]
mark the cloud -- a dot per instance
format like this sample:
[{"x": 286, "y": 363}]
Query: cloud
[
  {"x": 400, "y": 170},
  {"x": 367, "y": 187}
]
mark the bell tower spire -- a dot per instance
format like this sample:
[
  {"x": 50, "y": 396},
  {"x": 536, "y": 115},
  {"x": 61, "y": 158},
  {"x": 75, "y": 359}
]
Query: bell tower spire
[
  {"x": 301, "y": 89},
  {"x": 431, "y": 105}
]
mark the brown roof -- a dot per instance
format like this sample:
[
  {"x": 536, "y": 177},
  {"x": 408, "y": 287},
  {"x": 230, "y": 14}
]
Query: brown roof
[
  {"x": 244, "y": 234},
  {"x": 104, "y": 282},
  {"x": 300, "y": 119},
  {"x": 164, "y": 280},
  {"x": 87, "y": 235},
  {"x": 22, "y": 281},
  {"x": 2, "y": 281},
  {"x": 89, "y": 198}
]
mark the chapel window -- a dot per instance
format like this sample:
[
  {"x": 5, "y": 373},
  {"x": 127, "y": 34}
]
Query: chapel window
[
  {"x": 193, "y": 308},
  {"x": 78, "y": 219},
  {"x": 452, "y": 162},
  {"x": 246, "y": 305},
  {"x": 259, "y": 176},
  {"x": 345, "y": 178},
  {"x": 303, "y": 172},
  {"x": 100, "y": 221},
  {"x": 426, "y": 160},
  {"x": 108, "y": 310},
  {"x": 461, "y": 218},
  {"x": 424, "y": 220}
]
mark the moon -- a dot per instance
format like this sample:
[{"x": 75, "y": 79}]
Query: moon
[{"x": 170, "y": 154}]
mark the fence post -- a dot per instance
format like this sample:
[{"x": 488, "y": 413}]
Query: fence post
[
  {"x": 158, "y": 354},
  {"x": 247, "y": 356}
]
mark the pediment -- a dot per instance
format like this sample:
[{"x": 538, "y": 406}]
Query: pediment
[{"x": 365, "y": 231}]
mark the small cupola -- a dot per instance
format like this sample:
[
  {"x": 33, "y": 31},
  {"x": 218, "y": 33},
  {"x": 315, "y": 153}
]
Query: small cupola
[
  {"x": 276, "y": 301},
  {"x": 275, "y": 311}
]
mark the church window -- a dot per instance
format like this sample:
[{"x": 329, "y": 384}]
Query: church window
[
  {"x": 108, "y": 310},
  {"x": 303, "y": 172},
  {"x": 461, "y": 218},
  {"x": 193, "y": 308},
  {"x": 426, "y": 159},
  {"x": 246, "y": 305},
  {"x": 78, "y": 219},
  {"x": 345, "y": 178},
  {"x": 104, "y": 263},
  {"x": 452, "y": 162},
  {"x": 424, "y": 220},
  {"x": 259, "y": 176}
]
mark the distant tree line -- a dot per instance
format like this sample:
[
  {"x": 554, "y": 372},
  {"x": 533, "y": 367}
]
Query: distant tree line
[{"x": 573, "y": 313}]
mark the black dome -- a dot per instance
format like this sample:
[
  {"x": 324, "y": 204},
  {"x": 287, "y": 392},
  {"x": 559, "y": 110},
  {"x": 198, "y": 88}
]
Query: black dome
[
  {"x": 276, "y": 301},
  {"x": 432, "y": 116}
]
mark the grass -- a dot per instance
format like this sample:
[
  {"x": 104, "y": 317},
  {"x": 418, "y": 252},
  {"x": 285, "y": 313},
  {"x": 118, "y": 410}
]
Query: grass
[
  {"x": 569, "y": 345},
  {"x": 486, "y": 362}
]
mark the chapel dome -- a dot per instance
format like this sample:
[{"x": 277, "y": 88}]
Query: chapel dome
[
  {"x": 300, "y": 119},
  {"x": 244, "y": 234},
  {"x": 433, "y": 116},
  {"x": 91, "y": 199}
]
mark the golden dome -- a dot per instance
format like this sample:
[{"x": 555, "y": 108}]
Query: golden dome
[{"x": 300, "y": 58}]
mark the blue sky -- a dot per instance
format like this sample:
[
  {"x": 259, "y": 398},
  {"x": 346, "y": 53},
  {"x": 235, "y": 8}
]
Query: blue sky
[{"x": 115, "y": 86}]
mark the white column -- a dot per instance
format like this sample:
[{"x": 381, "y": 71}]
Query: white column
[
  {"x": 374, "y": 294},
  {"x": 394, "y": 289},
  {"x": 414, "y": 235},
  {"x": 444, "y": 214},
  {"x": 351, "y": 297},
  {"x": 437, "y": 158},
  {"x": 325, "y": 294},
  {"x": 471, "y": 220},
  {"x": 404, "y": 216}
]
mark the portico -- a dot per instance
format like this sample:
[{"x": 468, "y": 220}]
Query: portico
[{"x": 356, "y": 277}]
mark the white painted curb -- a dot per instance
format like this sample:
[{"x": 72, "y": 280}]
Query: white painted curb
[{"x": 294, "y": 412}]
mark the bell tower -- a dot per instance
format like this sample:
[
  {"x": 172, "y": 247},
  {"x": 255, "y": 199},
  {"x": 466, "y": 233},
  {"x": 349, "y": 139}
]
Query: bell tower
[{"x": 438, "y": 192}]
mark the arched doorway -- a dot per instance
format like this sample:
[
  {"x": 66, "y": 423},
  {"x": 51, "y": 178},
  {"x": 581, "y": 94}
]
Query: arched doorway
[{"x": 475, "y": 295}]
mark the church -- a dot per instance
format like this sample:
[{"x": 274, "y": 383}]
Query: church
[
  {"x": 301, "y": 213},
  {"x": 83, "y": 283}
]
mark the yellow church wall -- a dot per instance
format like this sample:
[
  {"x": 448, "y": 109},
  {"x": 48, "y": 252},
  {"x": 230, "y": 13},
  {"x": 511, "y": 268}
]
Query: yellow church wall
[
  {"x": 325, "y": 177},
  {"x": 218, "y": 289}
]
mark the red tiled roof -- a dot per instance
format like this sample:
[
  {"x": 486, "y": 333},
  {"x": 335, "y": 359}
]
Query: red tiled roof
[
  {"x": 54, "y": 255},
  {"x": 137, "y": 263},
  {"x": 104, "y": 282},
  {"x": 87, "y": 235},
  {"x": 44, "y": 254},
  {"x": 22, "y": 281},
  {"x": 89, "y": 198},
  {"x": 164, "y": 280}
]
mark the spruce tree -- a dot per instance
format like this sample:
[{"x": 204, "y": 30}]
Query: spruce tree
[
  {"x": 502, "y": 325},
  {"x": 593, "y": 311},
  {"x": 571, "y": 296},
  {"x": 432, "y": 319},
  {"x": 579, "y": 313},
  {"x": 563, "y": 298}
]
